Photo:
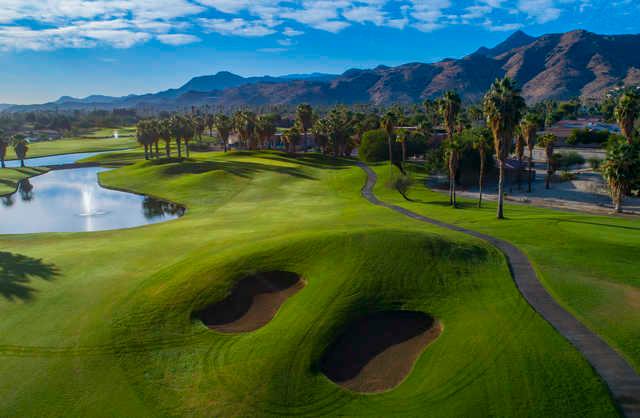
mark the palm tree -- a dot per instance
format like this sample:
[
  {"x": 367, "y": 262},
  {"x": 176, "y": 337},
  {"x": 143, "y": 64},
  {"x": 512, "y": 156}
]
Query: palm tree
[
  {"x": 339, "y": 129},
  {"x": 199, "y": 125},
  {"x": 621, "y": 169},
  {"x": 20, "y": 147},
  {"x": 4, "y": 144},
  {"x": 389, "y": 122},
  {"x": 188, "y": 130},
  {"x": 224, "y": 127},
  {"x": 402, "y": 136},
  {"x": 481, "y": 140},
  {"x": 503, "y": 106},
  {"x": 304, "y": 119},
  {"x": 520, "y": 144},
  {"x": 529, "y": 128},
  {"x": 175, "y": 123},
  {"x": 210, "y": 120},
  {"x": 548, "y": 141},
  {"x": 455, "y": 147},
  {"x": 450, "y": 105},
  {"x": 164, "y": 133},
  {"x": 320, "y": 131},
  {"x": 244, "y": 124},
  {"x": 265, "y": 129},
  {"x": 292, "y": 137},
  {"x": 144, "y": 136},
  {"x": 626, "y": 113}
]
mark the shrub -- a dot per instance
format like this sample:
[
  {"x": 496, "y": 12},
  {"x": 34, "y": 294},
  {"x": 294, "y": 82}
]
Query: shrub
[
  {"x": 564, "y": 161},
  {"x": 595, "y": 163},
  {"x": 585, "y": 136},
  {"x": 374, "y": 146}
]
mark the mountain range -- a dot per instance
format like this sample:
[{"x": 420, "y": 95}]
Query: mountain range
[{"x": 554, "y": 66}]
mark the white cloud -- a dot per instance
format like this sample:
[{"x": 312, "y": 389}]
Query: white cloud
[
  {"x": 237, "y": 27},
  {"x": 292, "y": 32},
  {"x": 50, "y": 24},
  {"x": 177, "y": 39},
  {"x": 506, "y": 27},
  {"x": 542, "y": 11}
]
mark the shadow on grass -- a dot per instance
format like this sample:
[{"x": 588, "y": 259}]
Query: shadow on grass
[
  {"x": 238, "y": 168},
  {"x": 630, "y": 228},
  {"x": 16, "y": 272},
  {"x": 314, "y": 160}
]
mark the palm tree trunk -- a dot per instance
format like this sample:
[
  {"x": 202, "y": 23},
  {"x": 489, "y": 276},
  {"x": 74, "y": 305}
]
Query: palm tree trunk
[
  {"x": 530, "y": 168},
  {"x": 186, "y": 147},
  {"x": 617, "y": 201},
  {"x": 404, "y": 151},
  {"x": 390, "y": 150},
  {"x": 519, "y": 172},
  {"x": 157, "y": 150},
  {"x": 500, "y": 213},
  {"x": 451, "y": 178},
  {"x": 2, "y": 161},
  {"x": 225, "y": 145},
  {"x": 167, "y": 147},
  {"x": 146, "y": 151},
  {"x": 481, "y": 179},
  {"x": 22, "y": 162},
  {"x": 179, "y": 146},
  {"x": 547, "y": 184}
]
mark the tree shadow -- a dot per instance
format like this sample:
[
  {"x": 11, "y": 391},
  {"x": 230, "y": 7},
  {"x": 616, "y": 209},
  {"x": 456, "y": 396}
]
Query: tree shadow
[
  {"x": 238, "y": 168},
  {"x": 16, "y": 272},
  {"x": 314, "y": 160},
  {"x": 630, "y": 228}
]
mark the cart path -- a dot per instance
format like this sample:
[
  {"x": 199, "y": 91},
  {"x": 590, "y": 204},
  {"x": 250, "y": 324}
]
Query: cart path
[{"x": 621, "y": 378}]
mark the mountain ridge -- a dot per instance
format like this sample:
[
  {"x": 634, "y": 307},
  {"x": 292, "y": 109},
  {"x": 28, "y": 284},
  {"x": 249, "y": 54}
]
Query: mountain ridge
[{"x": 552, "y": 66}]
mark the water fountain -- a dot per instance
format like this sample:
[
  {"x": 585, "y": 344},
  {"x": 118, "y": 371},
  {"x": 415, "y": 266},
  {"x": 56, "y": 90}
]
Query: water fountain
[
  {"x": 87, "y": 193},
  {"x": 116, "y": 135}
]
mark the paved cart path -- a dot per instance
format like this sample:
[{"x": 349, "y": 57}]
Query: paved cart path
[{"x": 623, "y": 381}]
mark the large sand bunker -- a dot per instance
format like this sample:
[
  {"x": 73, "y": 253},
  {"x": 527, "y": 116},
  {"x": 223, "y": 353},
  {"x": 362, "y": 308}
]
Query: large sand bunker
[
  {"x": 376, "y": 352},
  {"x": 252, "y": 303}
]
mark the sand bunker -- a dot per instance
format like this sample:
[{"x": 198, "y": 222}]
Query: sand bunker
[
  {"x": 376, "y": 352},
  {"x": 252, "y": 303}
]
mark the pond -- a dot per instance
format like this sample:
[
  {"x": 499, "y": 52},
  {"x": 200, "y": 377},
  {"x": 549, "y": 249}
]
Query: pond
[
  {"x": 73, "y": 201},
  {"x": 52, "y": 160}
]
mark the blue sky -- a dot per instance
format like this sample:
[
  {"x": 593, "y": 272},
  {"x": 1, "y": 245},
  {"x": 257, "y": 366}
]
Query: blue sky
[{"x": 116, "y": 47}]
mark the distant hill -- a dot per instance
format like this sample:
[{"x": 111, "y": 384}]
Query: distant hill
[{"x": 554, "y": 66}]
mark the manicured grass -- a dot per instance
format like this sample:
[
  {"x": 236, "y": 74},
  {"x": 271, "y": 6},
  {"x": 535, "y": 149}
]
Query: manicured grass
[
  {"x": 124, "y": 131},
  {"x": 102, "y": 323},
  {"x": 9, "y": 177},
  {"x": 589, "y": 263},
  {"x": 74, "y": 145}
]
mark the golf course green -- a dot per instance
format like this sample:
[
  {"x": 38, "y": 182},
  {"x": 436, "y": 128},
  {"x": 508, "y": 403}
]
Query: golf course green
[{"x": 104, "y": 324}]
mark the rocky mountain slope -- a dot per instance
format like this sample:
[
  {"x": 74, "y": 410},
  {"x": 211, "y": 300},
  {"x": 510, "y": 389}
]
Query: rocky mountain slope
[{"x": 554, "y": 66}]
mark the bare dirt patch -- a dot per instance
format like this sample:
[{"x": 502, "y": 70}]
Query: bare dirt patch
[
  {"x": 377, "y": 352},
  {"x": 252, "y": 303}
]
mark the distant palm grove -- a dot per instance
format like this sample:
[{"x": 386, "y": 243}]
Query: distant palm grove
[
  {"x": 445, "y": 131},
  {"x": 449, "y": 135}
]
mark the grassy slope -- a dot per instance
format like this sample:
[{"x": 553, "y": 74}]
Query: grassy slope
[
  {"x": 110, "y": 334},
  {"x": 588, "y": 262},
  {"x": 9, "y": 177}
]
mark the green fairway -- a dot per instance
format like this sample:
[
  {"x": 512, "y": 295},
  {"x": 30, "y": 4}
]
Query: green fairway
[
  {"x": 589, "y": 263},
  {"x": 99, "y": 324},
  {"x": 74, "y": 145}
]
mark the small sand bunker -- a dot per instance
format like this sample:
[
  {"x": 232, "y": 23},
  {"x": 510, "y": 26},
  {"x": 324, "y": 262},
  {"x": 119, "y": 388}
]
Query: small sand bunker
[
  {"x": 376, "y": 352},
  {"x": 252, "y": 303}
]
